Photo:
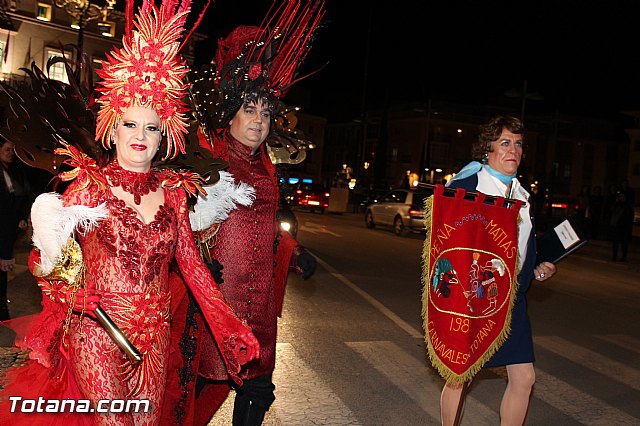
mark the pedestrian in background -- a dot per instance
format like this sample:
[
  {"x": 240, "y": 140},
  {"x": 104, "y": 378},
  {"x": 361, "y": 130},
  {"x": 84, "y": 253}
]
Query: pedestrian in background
[
  {"x": 607, "y": 209},
  {"x": 621, "y": 225},
  {"x": 15, "y": 202},
  {"x": 629, "y": 193}
]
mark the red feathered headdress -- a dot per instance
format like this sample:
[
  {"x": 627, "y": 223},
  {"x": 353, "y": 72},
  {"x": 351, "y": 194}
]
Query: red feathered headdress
[{"x": 148, "y": 72}]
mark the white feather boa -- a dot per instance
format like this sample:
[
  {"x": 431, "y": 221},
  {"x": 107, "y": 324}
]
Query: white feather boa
[
  {"x": 221, "y": 199},
  {"x": 53, "y": 224}
]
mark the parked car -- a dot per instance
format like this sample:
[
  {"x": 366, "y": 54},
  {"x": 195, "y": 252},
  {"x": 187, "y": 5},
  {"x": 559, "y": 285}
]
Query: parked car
[
  {"x": 402, "y": 209},
  {"x": 369, "y": 197},
  {"x": 311, "y": 196}
]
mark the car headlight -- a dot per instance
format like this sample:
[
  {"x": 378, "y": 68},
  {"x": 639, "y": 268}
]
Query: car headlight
[{"x": 285, "y": 226}]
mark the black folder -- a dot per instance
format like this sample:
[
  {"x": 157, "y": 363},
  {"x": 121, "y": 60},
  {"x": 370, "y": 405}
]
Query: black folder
[{"x": 560, "y": 241}]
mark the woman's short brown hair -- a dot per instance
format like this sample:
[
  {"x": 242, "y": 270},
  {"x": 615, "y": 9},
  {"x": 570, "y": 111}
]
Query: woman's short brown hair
[{"x": 492, "y": 130}]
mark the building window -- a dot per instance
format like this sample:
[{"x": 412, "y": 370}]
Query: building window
[
  {"x": 96, "y": 65},
  {"x": 107, "y": 29},
  {"x": 43, "y": 12},
  {"x": 3, "y": 45},
  {"x": 57, "y": 71}
]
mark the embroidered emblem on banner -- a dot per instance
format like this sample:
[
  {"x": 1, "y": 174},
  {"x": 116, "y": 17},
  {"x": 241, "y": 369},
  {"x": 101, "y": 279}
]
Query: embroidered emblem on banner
[{"x": 469, "y": 280}]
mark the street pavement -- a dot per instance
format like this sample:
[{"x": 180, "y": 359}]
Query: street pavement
[{"x": 25, "y": 298}]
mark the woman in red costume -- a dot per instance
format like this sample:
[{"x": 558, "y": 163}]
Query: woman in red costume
[{"x": 106, "y": 244}]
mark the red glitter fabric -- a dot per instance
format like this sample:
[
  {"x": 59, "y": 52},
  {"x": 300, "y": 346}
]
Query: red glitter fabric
[
  {"x": 245, "y": 248},
  {"x": 254, "y": 281}
]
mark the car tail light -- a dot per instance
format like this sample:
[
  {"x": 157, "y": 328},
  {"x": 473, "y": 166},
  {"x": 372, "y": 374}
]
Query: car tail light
[
  {"x": 559, "y": 205},
  {"x": 415, "y": 211},
  {"x": 299, "y": 191},
  {"x": 326, "y": 194}
]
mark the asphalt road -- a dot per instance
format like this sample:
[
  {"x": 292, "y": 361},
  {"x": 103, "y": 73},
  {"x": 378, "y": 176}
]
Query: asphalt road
[
  {"x": 351, "y": 348},
  {"x": 355, "y": 327}
]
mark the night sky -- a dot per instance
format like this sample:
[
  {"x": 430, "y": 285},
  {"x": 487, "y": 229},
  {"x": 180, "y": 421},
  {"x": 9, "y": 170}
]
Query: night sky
[{"x": 576, "y": 54}]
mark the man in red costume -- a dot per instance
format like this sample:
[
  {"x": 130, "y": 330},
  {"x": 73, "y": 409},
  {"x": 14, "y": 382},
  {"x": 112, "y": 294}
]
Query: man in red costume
[
  {"x": 245, "y": 246},
  {"x": 251, "y": 257}
]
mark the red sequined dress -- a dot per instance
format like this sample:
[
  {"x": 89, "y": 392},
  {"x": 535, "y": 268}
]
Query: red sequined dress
[{"x": 128, "y": 262}]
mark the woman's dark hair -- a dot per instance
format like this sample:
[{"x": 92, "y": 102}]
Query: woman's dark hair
[{"x": 492, "y": 130}]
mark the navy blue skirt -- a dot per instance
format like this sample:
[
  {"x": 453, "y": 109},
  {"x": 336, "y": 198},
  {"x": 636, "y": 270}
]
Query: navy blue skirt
[{"x": 518, "y": 348}]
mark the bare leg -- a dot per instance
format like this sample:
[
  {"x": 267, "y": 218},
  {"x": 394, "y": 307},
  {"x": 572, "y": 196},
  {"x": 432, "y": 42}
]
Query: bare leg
[
  {"x": 515, "y": 401},
  {"x": 449, "y": 400}
]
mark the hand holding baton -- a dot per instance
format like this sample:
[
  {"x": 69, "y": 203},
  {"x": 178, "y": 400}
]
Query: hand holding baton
[{"x": 118, "y": 336}]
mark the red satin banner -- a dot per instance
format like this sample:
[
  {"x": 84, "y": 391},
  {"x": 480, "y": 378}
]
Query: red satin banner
[{"x": 469, "y": 280}]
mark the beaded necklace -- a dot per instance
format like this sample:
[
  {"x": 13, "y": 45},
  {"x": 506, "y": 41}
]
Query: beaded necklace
[{"x": 135, "y": 183}]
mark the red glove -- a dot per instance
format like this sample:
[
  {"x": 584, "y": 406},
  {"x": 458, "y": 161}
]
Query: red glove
[
  {"x": 247, "y": 347},
  {"x": 85, "y": 301}
]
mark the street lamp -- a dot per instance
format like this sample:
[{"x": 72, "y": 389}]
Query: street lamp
[
  {"x": 426, "y": 156},
  {"x": 364, "y": 157},
  {"x": 82, "y": 12}
]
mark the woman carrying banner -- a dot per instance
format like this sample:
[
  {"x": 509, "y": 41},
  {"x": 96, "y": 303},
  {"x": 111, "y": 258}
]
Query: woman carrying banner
[{"x": 499, "y": 147}]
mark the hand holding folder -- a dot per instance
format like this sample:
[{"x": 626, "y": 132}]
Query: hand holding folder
[{"x": 559, "y": 242}]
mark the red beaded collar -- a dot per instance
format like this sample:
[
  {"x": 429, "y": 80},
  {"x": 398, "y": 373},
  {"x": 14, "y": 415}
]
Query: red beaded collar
[{"x": 135, "y": 183}]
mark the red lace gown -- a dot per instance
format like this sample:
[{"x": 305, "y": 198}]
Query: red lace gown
[{"x": 128, "y": 262}]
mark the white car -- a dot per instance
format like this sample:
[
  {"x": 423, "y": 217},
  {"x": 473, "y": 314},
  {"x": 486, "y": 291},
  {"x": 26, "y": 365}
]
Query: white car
[{"x": 402, "y": 209}]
